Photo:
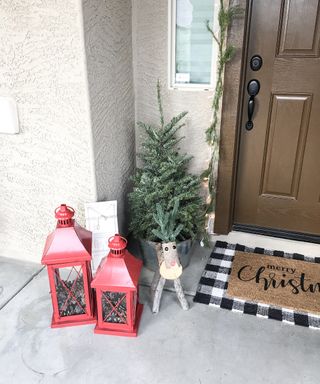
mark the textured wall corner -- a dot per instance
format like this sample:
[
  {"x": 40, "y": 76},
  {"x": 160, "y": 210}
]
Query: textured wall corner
[
  {"x": 43, "y": 67},
  {"x": 150, "y": 45},
  {"x": 108, "y": 42}
]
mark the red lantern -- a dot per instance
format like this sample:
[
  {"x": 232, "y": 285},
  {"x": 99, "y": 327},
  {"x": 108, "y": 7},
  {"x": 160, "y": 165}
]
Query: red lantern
[
  {"x": 67, "y": 255},
  {"x": 116, "y": 284}
]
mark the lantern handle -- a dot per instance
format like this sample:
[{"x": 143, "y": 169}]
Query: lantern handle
[
  {"x": 71, "y": 209},
  {"x": 121, "y": 237}
]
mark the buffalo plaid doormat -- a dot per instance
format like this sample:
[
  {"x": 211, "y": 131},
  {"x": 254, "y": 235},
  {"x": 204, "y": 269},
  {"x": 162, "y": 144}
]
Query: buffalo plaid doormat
[{"x": 213, "y": 286}]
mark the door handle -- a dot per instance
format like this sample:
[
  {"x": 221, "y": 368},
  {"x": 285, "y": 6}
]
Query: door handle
[{"x": 253, "y": 89}]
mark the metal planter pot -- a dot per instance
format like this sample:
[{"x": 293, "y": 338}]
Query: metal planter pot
[{"x": 149, "y": 254}]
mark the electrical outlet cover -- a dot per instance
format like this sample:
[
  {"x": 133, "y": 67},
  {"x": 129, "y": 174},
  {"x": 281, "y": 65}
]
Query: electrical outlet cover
[{"x": 9, "y": 122}]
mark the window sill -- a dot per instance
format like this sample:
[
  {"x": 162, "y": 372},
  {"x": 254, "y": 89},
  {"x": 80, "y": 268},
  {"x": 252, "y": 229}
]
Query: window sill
[{"x": 190, "y": 87}]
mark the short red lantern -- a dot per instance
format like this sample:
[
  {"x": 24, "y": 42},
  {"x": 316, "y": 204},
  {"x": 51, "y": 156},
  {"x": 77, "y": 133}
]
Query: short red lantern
[
  {"x": 67, "y": 255},
  {"x": 116, "y": 284}
]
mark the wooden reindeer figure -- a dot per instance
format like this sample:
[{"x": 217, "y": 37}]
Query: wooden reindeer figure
[{"x": 169, "y": 263}]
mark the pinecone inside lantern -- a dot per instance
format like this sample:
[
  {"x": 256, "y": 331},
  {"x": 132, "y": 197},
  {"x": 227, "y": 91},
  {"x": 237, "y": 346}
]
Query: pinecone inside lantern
[
  {"x": 114, "y": 307},
  {"x": 70, "y": 291}
]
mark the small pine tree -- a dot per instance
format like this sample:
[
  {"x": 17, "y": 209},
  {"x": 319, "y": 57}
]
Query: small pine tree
[{"x": 163, "y": 180}]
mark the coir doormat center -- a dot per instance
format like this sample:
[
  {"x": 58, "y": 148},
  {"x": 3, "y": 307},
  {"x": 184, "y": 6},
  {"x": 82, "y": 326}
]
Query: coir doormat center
[
  {"x": 271, "y": 284},
  {"x": 273, "y": 280}
]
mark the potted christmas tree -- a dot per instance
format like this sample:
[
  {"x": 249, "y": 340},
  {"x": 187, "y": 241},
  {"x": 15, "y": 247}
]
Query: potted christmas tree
[{"x": 164, "y": 179}]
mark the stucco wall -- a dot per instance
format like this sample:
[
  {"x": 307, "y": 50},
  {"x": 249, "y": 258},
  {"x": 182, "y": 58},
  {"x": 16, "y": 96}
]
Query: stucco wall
[
  {"x": 108, "y": 42},
  {"x": 69, "y": 65},
  {"x": 42, "y": 65},
  {"x": 150, "y": 47}
]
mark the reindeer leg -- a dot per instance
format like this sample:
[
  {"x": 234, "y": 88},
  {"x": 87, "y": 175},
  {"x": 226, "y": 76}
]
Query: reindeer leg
[
  {"x": 154, "y": 284},
  {"x": 157, "y": 294},
  {"x": 155, "y": 281},
  {"x": 183, "y": 301}
]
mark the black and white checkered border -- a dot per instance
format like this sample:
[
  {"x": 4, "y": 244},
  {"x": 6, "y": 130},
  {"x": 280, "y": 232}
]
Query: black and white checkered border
[{"x": 214, "y": 283}]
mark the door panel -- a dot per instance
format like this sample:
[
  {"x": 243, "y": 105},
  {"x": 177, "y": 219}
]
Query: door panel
[
  {"x": 292, "y": 41},
  {"x": 278, "y": 176},
  {"x": 284, "y": 180}
]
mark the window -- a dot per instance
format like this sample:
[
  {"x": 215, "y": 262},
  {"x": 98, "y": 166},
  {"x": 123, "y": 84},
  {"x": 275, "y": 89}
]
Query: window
[{"x": 191, "y": 48}]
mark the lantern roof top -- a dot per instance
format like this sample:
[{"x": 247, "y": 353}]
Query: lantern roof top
[
  {"x": 64, "y": 213},
  {"x": 67, "y": 244},
  {"x": 119, "y": 272},
  {"x": 117, "y": 242}
]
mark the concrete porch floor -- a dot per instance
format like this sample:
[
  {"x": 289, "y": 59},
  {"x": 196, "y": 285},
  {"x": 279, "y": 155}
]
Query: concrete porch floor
[{"x": 201, "y": 346}]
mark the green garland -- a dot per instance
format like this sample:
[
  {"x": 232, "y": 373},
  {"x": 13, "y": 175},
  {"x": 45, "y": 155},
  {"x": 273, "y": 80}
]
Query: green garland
[{"x": 225, "y": 54}]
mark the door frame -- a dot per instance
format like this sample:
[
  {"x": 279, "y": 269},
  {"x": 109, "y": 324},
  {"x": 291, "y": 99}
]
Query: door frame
[{"x": 231, "y": 116}]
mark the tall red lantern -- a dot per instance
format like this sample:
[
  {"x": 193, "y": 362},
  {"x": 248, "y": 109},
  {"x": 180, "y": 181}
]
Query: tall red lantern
[
  {"x": 116, "y": 284},
  {"x": 67, "y": 255}
]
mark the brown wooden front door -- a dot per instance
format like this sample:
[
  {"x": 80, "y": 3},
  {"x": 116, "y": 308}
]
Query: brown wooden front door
[{"x": 278, "y": 176}]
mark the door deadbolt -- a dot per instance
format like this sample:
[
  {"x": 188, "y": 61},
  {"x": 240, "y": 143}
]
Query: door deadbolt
[{"x": 256, "y": 62}]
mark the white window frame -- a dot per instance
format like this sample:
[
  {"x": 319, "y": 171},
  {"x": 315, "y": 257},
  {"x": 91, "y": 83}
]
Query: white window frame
[{"x": 172, "y": 15}]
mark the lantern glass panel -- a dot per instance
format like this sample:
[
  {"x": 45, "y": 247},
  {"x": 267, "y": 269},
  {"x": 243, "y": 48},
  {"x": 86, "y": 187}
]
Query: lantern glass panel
[
  {"x": 114, "y": 307},
  {"x": 70, "y": 291}
]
